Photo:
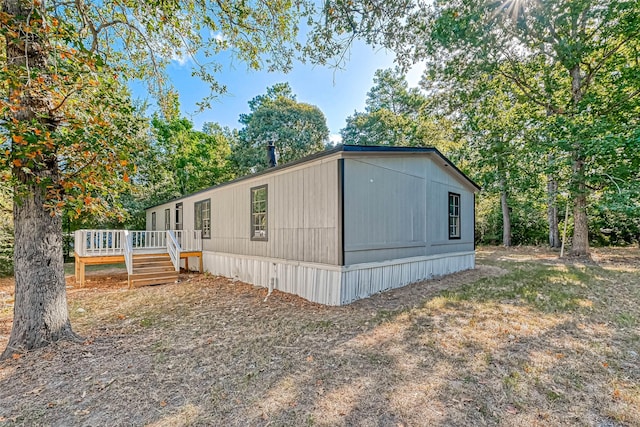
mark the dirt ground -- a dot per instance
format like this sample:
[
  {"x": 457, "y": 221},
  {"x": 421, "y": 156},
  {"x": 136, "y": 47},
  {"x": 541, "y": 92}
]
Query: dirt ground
[{"x": 524, "y": 339}]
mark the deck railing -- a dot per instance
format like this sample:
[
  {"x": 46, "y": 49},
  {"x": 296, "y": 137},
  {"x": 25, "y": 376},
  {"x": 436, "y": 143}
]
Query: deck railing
[
  {"x": 173, "y": 247},
  {"x": 149, "y": 239},
  {"x": 113, "y": 242},
  {"x": 190, "y": 240},
  {"x": 128, "y": 251},
  {"x": 99, "y": 242}
]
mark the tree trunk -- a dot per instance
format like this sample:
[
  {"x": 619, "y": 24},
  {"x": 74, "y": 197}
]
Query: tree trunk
[
  {"x": 506, "y": 217},
  {"x": 552, "y": 212},
  {"x": 506, "y": 220},
  {"x": 40, "y": 308},
  {"x": 40, "y": 314},
  {"x": 580, "y": 243}
]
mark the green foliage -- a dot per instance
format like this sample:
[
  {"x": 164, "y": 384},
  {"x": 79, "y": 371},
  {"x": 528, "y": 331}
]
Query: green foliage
[
  {"x": 193, "y": 159},
  {"x": 397, "y": 115},
  {"x": 296, "y": 129},
  {"x": 140, "y": 38},
  {"x": 6, "y": 229},
  {"x": 77, "y": 140},
  {"x": 81, "y": 118},
  {"x": 615, "y": 219},
  {"x": 573, "y": 64},
  {"x": 528, "y": 220},
  {"x": 178, "y": 160}
]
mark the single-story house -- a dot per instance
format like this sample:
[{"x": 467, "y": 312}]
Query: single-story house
[{"x": 336, "y": 226}]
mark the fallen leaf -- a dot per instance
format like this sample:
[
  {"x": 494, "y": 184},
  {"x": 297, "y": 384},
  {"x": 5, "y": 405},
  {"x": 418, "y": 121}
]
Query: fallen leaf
[
  {"x": 309, "y": 358},
  {"x": 163, "y": 403},
  {"x": 16, "y": 356}
]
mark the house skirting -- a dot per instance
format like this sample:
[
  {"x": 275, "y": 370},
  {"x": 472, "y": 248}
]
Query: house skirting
[{"x": 334, "y": 284}]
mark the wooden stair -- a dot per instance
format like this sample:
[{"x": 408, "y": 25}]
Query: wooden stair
[{"x": 152, "y": 269}]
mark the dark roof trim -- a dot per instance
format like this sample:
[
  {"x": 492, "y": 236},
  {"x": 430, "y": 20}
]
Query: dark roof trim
[{"x": 337, "y": 149}]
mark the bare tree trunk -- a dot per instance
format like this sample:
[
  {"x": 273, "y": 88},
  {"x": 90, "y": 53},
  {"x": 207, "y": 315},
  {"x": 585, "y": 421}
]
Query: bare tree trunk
[
  {"x": 580, "y": 243},
  {"x": 506, "y": 220},
  {"x": 40, "y": 309},
  {"x": 552, "y": 212},
  {"x": 40, "y": 314}
]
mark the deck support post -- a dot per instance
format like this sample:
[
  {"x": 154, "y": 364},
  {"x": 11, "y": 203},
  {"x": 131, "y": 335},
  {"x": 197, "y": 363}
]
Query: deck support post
[
  {"x": 80, "y": 270},
  {"x": 196, "y": 254}
]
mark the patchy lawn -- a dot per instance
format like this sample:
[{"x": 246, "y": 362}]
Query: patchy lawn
[{"x": 523, "y": 340}]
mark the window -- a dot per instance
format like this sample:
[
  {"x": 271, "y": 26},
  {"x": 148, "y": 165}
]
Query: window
[
  {"x": 454, "y": 216},
  {"x": 167, "y": 219},
  {"x": 178, "y": 216},
  {"x": 259, "y": 213},
  {"x": 202, "y": 217},
  {"x": 153, "y": 221}
]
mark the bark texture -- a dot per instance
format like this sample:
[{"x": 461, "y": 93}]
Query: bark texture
[
  {"x": 506, "y": 220},
  {"x": 40, "y": 308},
  {"x": 40, "y": 314},
  {"x": 580, "y": 242},
  {"x": 552, "y": 212}
]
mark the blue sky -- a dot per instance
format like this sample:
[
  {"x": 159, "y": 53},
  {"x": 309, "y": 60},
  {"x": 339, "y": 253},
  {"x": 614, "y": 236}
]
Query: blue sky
[{"x": 337, "y": 92}]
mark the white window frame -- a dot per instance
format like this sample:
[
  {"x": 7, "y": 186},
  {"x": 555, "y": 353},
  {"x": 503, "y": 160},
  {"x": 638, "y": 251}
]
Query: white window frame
[
  {"x": 202, "y": 217},
  {"x": 454, "y": 216},
  {"x": 179, "y": 216},
  {"x": 167, "y": 219},
  {"x": 259, "y": 213}
]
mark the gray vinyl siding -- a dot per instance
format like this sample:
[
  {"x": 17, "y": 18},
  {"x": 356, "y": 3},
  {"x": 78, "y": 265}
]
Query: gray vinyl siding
[
  {"x": 303, "y": 215},
  {"x": 397, "y": 207}
]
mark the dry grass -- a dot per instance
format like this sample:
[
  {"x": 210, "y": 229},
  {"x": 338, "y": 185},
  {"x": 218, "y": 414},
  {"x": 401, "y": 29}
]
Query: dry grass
[{"x": 522, "y": 340}]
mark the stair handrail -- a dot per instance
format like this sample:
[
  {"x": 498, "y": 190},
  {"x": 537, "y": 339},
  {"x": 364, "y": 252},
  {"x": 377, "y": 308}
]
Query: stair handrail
[
  {"x": 128, "y": 251},
  {"x": 174, "y": 249}
]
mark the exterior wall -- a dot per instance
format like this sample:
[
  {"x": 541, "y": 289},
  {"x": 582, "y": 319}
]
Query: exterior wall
[
  {"x": 388, "y": 212},
  {"x": 302, "y": 214},
  {"x": 363, "y": 280},
  {"x": 397, "y": 207},
  {"x": 334, "y": 285},
  {"x": 315, "y": 282}
]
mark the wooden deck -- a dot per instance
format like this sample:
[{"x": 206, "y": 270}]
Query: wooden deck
[{"x": 82, "y": 261}]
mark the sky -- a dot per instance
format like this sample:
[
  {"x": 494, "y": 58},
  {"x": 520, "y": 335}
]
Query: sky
[{"x": 337, "y": 92}]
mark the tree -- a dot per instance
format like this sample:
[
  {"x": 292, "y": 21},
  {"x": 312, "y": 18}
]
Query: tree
[
  {"x": 496, "y": 126},
  {"x": 295, "y": 128},
  {"x": 575, "y": 60},
  {"x": 194, "y": 159},
  {"x": 70, "y": 129},
  {"x": 397, "y": 115}
]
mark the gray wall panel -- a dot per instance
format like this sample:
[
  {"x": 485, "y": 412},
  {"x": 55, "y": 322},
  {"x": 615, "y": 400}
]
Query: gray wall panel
[
  {"x": 302, "y": 215},
  {"x": 384, "y": 213}
]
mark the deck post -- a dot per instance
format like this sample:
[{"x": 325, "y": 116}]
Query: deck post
[
  {"x": 201, "y": 270},
  {"x": 79, "y": 267},
  {"x": 75, "y": 265}
]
